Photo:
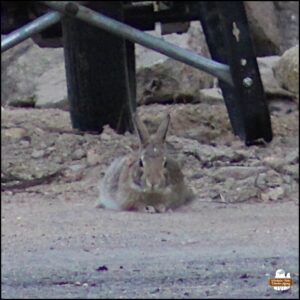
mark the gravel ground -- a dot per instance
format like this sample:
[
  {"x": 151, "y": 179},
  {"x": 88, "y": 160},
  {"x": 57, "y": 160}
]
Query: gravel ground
[{"x": 242, "y": 227}]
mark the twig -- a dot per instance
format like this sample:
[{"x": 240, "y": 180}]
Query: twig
[{"x": 25, "y": 183}]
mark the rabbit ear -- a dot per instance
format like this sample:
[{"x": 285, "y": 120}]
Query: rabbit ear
[
  {"x": 162, "y": 130},
  {"x": 141, "y": 129}
]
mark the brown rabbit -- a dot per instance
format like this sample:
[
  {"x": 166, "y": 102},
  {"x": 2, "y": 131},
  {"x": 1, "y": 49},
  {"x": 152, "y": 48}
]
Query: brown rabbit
[{"x": 145, "y": 180}]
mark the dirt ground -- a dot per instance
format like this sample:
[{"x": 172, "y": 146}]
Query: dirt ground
[{"x": 242, "y": 227}]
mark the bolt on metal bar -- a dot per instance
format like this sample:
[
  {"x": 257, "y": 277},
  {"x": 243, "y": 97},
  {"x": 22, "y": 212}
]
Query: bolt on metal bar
[
  {"x": 29, "y": 29},
  {"x": 73, "y": 9}
]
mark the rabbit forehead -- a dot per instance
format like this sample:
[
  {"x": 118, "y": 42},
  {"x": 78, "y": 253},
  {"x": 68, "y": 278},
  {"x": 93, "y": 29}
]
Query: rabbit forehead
[{"x": 153, "y": 150}]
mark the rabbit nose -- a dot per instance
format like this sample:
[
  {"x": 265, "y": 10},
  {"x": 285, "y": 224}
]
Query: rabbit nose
[{"x": 152, "y": 184}]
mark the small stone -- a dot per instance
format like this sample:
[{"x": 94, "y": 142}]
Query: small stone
[
  {"x": 85, "y": 285},
  {"x": 211, "y": 96},
  {"x": 15, "y": 133},
  {"x": 78, "y": 154},
  {"x": 76, "y": 168},
  {"x": 50, "y": 150},
  {"x": 24, "y": 143},
  {"x": 292, "y": 157},
  {"x": 264, "y": 197},
  {"x": 276, "y": 193},
  {"x": 93, "y": 158},
  {"x": 292, "y": 170},
  {"x": 155, "y": 291},
  {"x": 105, "y": 137},
  {"x": 77, "y": 283},
  {"x": 274, "y": 162},
  {"x": 37, "y": 153},
  {"x": 58, "y": 160}
]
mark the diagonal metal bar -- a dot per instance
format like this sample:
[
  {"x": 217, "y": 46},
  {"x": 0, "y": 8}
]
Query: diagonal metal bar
[
  {"x": 73, "y": 9},
  {"x": 30, "y": 29}
]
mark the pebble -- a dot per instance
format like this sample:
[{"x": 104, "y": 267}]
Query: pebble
[
  {"x": 93, "y": 158},
  {"x": 15, "y": 133},
  {"x": 37, "y": 153},
  {"x": 24, "y": 143},
  {"x": 276, "y": 193},
  {"x": 78, "y": 154},
  {"x": 76, "y": 168}
]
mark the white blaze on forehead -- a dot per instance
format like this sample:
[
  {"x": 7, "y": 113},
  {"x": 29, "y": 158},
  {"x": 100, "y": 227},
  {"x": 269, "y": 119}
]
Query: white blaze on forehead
[{"x": 155, "y": 149}]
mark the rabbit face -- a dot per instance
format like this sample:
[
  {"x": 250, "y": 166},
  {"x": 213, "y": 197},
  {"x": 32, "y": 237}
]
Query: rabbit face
[
  {"x": 151, "y": 169},
  {"x": 149, "y": 173}
]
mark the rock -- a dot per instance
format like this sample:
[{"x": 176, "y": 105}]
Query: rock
[
  {"x": 292, "y": 157},
  {"x": 93, "y": 158},
  {"x": 22, "y": 72},
  {"x": 51, "y": 89},
  {"x": 274, "y": 162},
  {"x": 37, "y": 153},
  {"x": 275, "y": 194},
  {"x": 292, "y": 170},
  {"x": 78, "y": 154},
  {"x": 264, "y": 28},
  {"x": 279, "y": 163},
  {"x": 15, "y": 133},
  {"x": 76, "y": 168},
  {"x": 24, "y": 143},
  {"x": 234, "y": 191},
  {"x": 212, "y": 96},
  {"x": 73, "y": 173},
  {"x": 237, "y": 172},
  {"x": 271, "y": 85},
  {"x": 170, "y": 82},
  {"x": 165, "y": 80},
  {"x": 287, "y": 70},
  {"x": 269, "y": 179}
]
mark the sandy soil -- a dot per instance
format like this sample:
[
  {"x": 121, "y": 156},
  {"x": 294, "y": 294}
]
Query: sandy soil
[{"x": 242, "y": 227}]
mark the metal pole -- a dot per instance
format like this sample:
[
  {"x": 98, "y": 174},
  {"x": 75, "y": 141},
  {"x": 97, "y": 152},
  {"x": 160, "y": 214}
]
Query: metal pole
[
  {"x": 217, "y": 69},
  {"x": 28, "y": 30}
]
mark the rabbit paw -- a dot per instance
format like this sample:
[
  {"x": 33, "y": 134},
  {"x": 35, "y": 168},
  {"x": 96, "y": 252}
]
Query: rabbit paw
[
  {"x": 150, "y": 209},
  {"x": 160, "y": 208}
]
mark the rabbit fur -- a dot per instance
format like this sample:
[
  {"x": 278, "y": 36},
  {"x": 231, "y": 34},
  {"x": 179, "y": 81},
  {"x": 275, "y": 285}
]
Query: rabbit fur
[{"x": 146, "y": 180}]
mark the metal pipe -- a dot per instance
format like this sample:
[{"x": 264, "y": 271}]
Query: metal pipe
[
  {"x": 217, "y": 69},
  {"x": 29, "y": 29}
]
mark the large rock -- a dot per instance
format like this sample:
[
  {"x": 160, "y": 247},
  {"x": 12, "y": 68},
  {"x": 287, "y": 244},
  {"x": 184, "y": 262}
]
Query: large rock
[
  {"x": 170, "y": 82},
  {"x": 272, "y": 87},
  {"x": 24, "y": 71},
  {"x": 264, "y": 28},
  {"x": 287, "y": 70},
  {"x": 165, "y": 80}
]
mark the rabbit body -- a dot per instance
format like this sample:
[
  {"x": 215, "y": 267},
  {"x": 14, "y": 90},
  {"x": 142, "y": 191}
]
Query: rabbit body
[{"x": 146, "y": 180}]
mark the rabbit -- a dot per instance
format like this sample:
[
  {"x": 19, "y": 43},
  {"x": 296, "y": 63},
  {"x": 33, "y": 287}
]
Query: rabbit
[{"x": 147, "y": 180}]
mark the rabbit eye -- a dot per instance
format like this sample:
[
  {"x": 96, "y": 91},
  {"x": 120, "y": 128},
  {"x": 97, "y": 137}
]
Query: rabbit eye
[
  {"x": 141, "y": 163},
  {"x": 165, "y": 163}
]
